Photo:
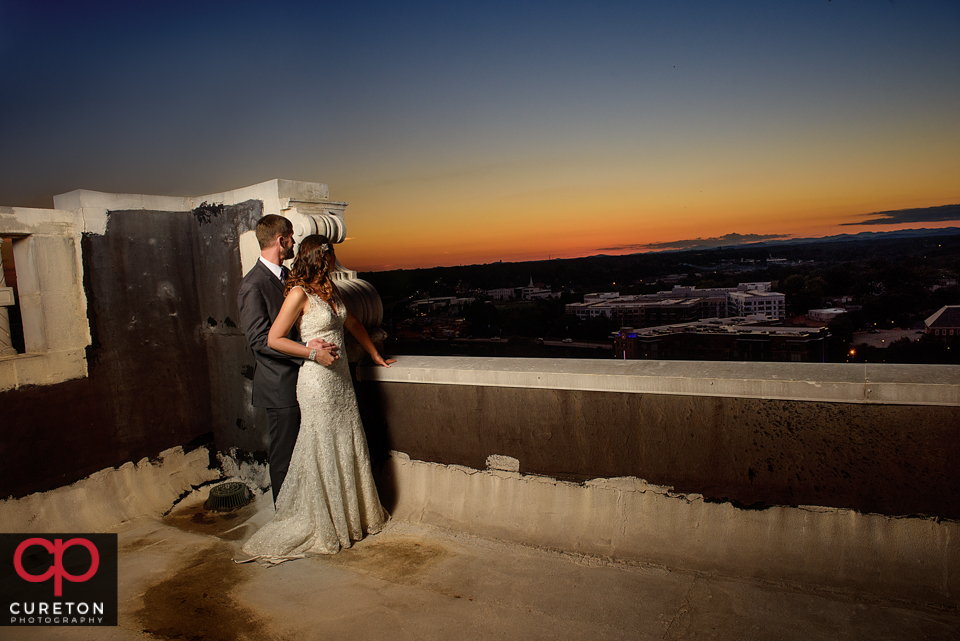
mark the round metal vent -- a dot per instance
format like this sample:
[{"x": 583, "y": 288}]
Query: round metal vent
[{"x": 228, "y": 496}]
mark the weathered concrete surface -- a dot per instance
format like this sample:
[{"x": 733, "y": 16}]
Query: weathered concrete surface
[
  {"x": 624, "y": 519},
  {"x": 168, "y": 362},
  {"x": 53, "y": 306},
  {"x": 630, "y": 520},
  {"x": 132, "y": 328},
  {"x": 891, "y": 458},
  {"x": 417, "y": 582},
  {"x": 826, "y": 382},
  {"x": 111, "y": 497}
]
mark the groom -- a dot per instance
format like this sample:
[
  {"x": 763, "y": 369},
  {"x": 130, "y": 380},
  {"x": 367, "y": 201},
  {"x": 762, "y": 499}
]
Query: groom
[{"x": 275, "y": 378}]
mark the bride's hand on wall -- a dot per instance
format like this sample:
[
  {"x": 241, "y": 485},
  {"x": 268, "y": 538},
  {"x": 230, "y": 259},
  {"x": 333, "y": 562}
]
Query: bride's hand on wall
[{"x": 379, "y": 360}]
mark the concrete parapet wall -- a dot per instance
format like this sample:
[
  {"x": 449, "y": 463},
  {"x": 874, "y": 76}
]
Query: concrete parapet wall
[
  {"x": 131, "y": 327},
  {"x": 162, "y": 360},
  {"x": 880, "y": 439},
  {"x": 103, "y": 501},
  {"x": 629, "y": 519},
  {"x": 824, "y": 382},
  {"x": 53, "y": 305}
]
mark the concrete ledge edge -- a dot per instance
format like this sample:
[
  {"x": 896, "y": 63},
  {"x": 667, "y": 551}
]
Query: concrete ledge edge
[{"x": 817, "y": 382}]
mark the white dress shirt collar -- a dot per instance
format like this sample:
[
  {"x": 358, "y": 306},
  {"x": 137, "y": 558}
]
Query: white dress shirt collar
[{"x": 275, "y": 269}]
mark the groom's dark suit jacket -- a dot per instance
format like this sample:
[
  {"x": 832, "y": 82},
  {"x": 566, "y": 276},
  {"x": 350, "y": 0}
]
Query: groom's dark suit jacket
[{"x": 275, "y": 379}]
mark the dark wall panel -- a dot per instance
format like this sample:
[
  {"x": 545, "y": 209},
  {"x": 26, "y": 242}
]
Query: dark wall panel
[
  {"x": 161, "y": 295},
  {"x": 230, "y": 363},
  {"x": 888, "y": 459}
]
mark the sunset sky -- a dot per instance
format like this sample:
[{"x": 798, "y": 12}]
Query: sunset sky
[{"x": 467, "y": 133}]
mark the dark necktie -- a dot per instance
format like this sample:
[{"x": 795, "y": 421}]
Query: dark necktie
[{"x": 283, "y": 274}]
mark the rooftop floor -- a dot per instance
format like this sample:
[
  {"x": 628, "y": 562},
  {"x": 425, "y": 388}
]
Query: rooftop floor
[{"x": 178, "y": 580}]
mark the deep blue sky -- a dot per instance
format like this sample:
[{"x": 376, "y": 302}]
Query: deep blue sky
[{"x": 474, "y": 132}]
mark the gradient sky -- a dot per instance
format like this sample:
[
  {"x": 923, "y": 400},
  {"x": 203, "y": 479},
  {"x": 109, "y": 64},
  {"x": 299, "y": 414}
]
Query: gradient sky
[{"x": 471, "y": 133}]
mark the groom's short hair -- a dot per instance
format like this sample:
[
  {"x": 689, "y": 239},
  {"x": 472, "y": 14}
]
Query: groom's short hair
[{"x": 271, "y": 226}]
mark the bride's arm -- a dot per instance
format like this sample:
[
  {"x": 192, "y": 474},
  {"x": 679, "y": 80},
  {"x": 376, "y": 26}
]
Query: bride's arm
[
  {"x": 359, "y": 332},
  {"x": 294, "y": 304}
]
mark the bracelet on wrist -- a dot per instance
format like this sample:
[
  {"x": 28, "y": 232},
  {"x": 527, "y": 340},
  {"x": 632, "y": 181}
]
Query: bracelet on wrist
[{"x": 313, "y": 355}]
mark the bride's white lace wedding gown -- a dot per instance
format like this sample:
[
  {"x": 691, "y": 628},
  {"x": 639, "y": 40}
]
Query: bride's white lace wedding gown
[{"x": 328, "y": 499}]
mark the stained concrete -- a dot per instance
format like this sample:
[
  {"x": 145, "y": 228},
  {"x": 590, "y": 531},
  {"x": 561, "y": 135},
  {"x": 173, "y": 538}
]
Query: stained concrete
[
  {"x": 629, "y": 519},
  {"x": 626, "y": 519},
  {"x": 895, "y": 457},
  {"x": 109, "y": 498},
  {"x": 179, "y": 581},
  {"x": 51, "y": 298},
  {"x": 167, "y": 359},
  {"x": 824, "y": 382}
]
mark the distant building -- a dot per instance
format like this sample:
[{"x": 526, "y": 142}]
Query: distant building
[
  {"x": 682, "y": 304},
  {"x": 503, "y": 293},
  {"x": 732, "y": 339},
  {"x": 644, "y": 313},
  {"x": 452, "y": 304},
  {"x": 530, "y": 292},
  {"x": 537, "y": 293},
  {"x": 757, "y": 299},
  {"x": 755, "y": 287},
  {"x": 605, "y": 296},
  {"x": 825, "y": 315},
  {"x": 944, "y": 324}
]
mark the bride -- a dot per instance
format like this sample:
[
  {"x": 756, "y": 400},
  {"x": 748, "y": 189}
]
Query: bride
[{"x": 328, "y": 499}]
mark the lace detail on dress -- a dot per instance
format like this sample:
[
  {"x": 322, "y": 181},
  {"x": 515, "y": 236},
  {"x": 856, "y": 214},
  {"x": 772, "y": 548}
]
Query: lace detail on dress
[{"x": 328, "y": 499}]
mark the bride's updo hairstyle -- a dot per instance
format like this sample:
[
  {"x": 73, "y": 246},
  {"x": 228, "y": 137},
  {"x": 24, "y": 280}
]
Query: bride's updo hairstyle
[{"x": 311, "y": 267}]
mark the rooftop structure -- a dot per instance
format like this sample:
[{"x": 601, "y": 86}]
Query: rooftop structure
[
  {"x": 452, "y": 304},
  {"x": 726, "y": 339},
  {"x": 530, "y": 292},
  {"x": 753, "y": 302},
  {"x": 682, "y": 304},
  {"x": 825, "y": 315},
  {"x": 944, "y": 323}
]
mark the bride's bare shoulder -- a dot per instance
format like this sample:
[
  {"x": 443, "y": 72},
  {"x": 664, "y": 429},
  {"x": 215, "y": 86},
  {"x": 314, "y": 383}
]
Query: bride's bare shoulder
[{"x": 298, "y": 296}]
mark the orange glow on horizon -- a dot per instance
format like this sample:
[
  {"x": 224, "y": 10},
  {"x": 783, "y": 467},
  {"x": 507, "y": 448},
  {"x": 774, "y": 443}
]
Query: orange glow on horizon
[
  {"x": 366, "y": 257},
  {"x": 421, "y": 232},
  {"x": 621, "y": 200}
]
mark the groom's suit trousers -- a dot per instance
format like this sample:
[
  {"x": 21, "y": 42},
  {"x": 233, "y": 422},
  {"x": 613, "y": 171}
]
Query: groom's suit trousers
[{"x": 284, "y": 428}]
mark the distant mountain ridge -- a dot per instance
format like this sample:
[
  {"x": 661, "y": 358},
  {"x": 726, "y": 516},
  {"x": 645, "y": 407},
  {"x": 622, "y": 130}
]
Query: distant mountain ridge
[
  {"x": 839, "y": 238},
  {"x": 674, "y": 254}
]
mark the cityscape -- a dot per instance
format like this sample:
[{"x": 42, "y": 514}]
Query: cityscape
[{"x": 887, "y": 299}]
